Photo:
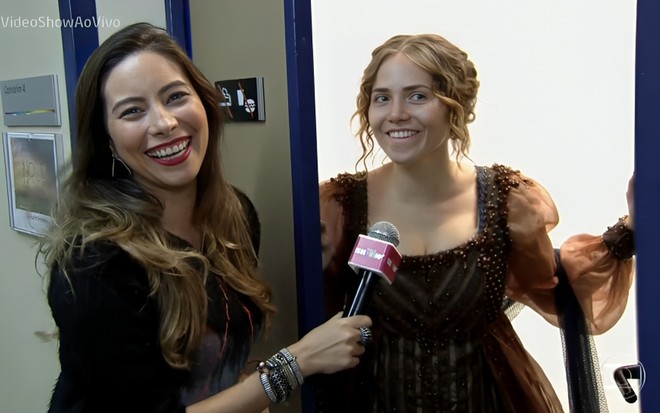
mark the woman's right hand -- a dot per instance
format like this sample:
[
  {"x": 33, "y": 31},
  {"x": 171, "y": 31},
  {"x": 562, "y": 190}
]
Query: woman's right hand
[{"x": 333, "y": 346}]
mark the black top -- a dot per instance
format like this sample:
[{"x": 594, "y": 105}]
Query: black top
[{"x": 109, "y": 351}]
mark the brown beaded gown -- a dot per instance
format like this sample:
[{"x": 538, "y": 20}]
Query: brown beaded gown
[{"x": 442, "y": 342}]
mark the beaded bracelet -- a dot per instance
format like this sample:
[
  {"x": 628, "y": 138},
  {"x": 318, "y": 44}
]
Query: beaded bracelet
[
  {"x": 280, "y": 385},
  {"x": 293, "y": 362},
  {"x": 286, "y": 369}
]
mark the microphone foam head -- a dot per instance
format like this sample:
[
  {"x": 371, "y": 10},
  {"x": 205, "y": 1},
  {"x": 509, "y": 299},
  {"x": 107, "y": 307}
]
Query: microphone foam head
[{"x": 384, "y": 231}]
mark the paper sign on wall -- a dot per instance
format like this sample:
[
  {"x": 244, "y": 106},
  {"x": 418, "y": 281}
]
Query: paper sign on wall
[{"x": 30, "y": 101}]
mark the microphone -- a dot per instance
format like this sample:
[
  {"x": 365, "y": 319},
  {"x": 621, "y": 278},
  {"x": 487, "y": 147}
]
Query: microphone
[{"x": 374, "y": 255}]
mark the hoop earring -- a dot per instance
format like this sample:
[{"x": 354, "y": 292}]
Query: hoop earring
[{"x": 127, "y": 170}]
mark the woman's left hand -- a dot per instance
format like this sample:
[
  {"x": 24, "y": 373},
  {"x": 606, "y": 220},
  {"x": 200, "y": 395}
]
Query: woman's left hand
[{"x": 630, "y": 197}]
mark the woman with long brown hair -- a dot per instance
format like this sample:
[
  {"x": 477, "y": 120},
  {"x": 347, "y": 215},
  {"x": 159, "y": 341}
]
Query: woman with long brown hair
[{"x": 153, "y": 280}]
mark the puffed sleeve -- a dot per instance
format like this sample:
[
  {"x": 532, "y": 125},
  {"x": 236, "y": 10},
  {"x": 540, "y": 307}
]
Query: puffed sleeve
[
  {"x": 532, "y": 265},
  {"x": 332, "y": 222},
  {"x": 333, "y": 246},
  {"x": 600, "y": 279}
]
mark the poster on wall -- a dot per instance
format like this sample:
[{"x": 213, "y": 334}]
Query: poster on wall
[
  {"x": 33, "y": 162},
  {"x": 243, "y": 99}
]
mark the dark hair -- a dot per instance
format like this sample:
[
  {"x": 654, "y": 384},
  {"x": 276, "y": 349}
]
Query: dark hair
[{"x": 252, "y": 216}]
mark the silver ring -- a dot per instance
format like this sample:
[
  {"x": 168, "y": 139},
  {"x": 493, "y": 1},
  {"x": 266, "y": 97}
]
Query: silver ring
[{"x": 365, "y": 335}]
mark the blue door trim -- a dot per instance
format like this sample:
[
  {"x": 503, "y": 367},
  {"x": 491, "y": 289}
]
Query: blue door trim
[
  {"x": 78, "y": 42},
  {"x": 647, "y": 196},
  {"x": 304, "y": 171},
  {"x": 177, "y": 15}
]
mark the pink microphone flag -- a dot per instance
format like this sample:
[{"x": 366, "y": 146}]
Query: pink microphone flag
[{"x": 375, "y": 255}]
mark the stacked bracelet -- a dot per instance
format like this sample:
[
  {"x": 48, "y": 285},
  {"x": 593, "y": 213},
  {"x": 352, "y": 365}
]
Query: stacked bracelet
[
  {"x": 267, "y": 387},
  {"x": 280, "y": 375},
  {"x": 293, "y": 363}
]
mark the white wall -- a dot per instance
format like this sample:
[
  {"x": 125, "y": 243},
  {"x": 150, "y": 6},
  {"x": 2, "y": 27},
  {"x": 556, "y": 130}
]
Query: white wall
[
  {"x": 556, "y": 101},
  {"x": 128, "y": 12}
]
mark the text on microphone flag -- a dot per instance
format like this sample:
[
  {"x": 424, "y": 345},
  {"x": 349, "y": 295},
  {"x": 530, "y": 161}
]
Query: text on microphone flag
[{"x": 375, "y": 255}]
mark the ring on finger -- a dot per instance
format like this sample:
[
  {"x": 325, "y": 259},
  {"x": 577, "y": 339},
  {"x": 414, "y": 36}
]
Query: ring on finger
[{"x": 366, "y": 336}]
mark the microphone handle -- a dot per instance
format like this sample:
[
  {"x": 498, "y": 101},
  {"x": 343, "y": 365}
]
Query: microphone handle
[{"x": 362, "y": 294}]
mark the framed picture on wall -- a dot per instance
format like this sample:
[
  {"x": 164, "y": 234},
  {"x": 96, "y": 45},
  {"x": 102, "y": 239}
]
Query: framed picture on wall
[
  {"x": 243, "y": 99},
  {"x": 33, "y": 162}
]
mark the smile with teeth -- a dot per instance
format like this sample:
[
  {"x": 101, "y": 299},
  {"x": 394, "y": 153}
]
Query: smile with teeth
[
  {"x": 401, "y": 134},
  {"x": 170, "y": 151}
]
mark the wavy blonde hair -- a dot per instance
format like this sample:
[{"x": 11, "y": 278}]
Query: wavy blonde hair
[
  {"x": 96, "y": 207},
  {"x": 454, "y": 83}
]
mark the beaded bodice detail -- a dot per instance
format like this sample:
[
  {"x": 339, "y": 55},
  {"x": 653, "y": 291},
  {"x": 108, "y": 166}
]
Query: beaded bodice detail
[{"x": 429, "y": 323}]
